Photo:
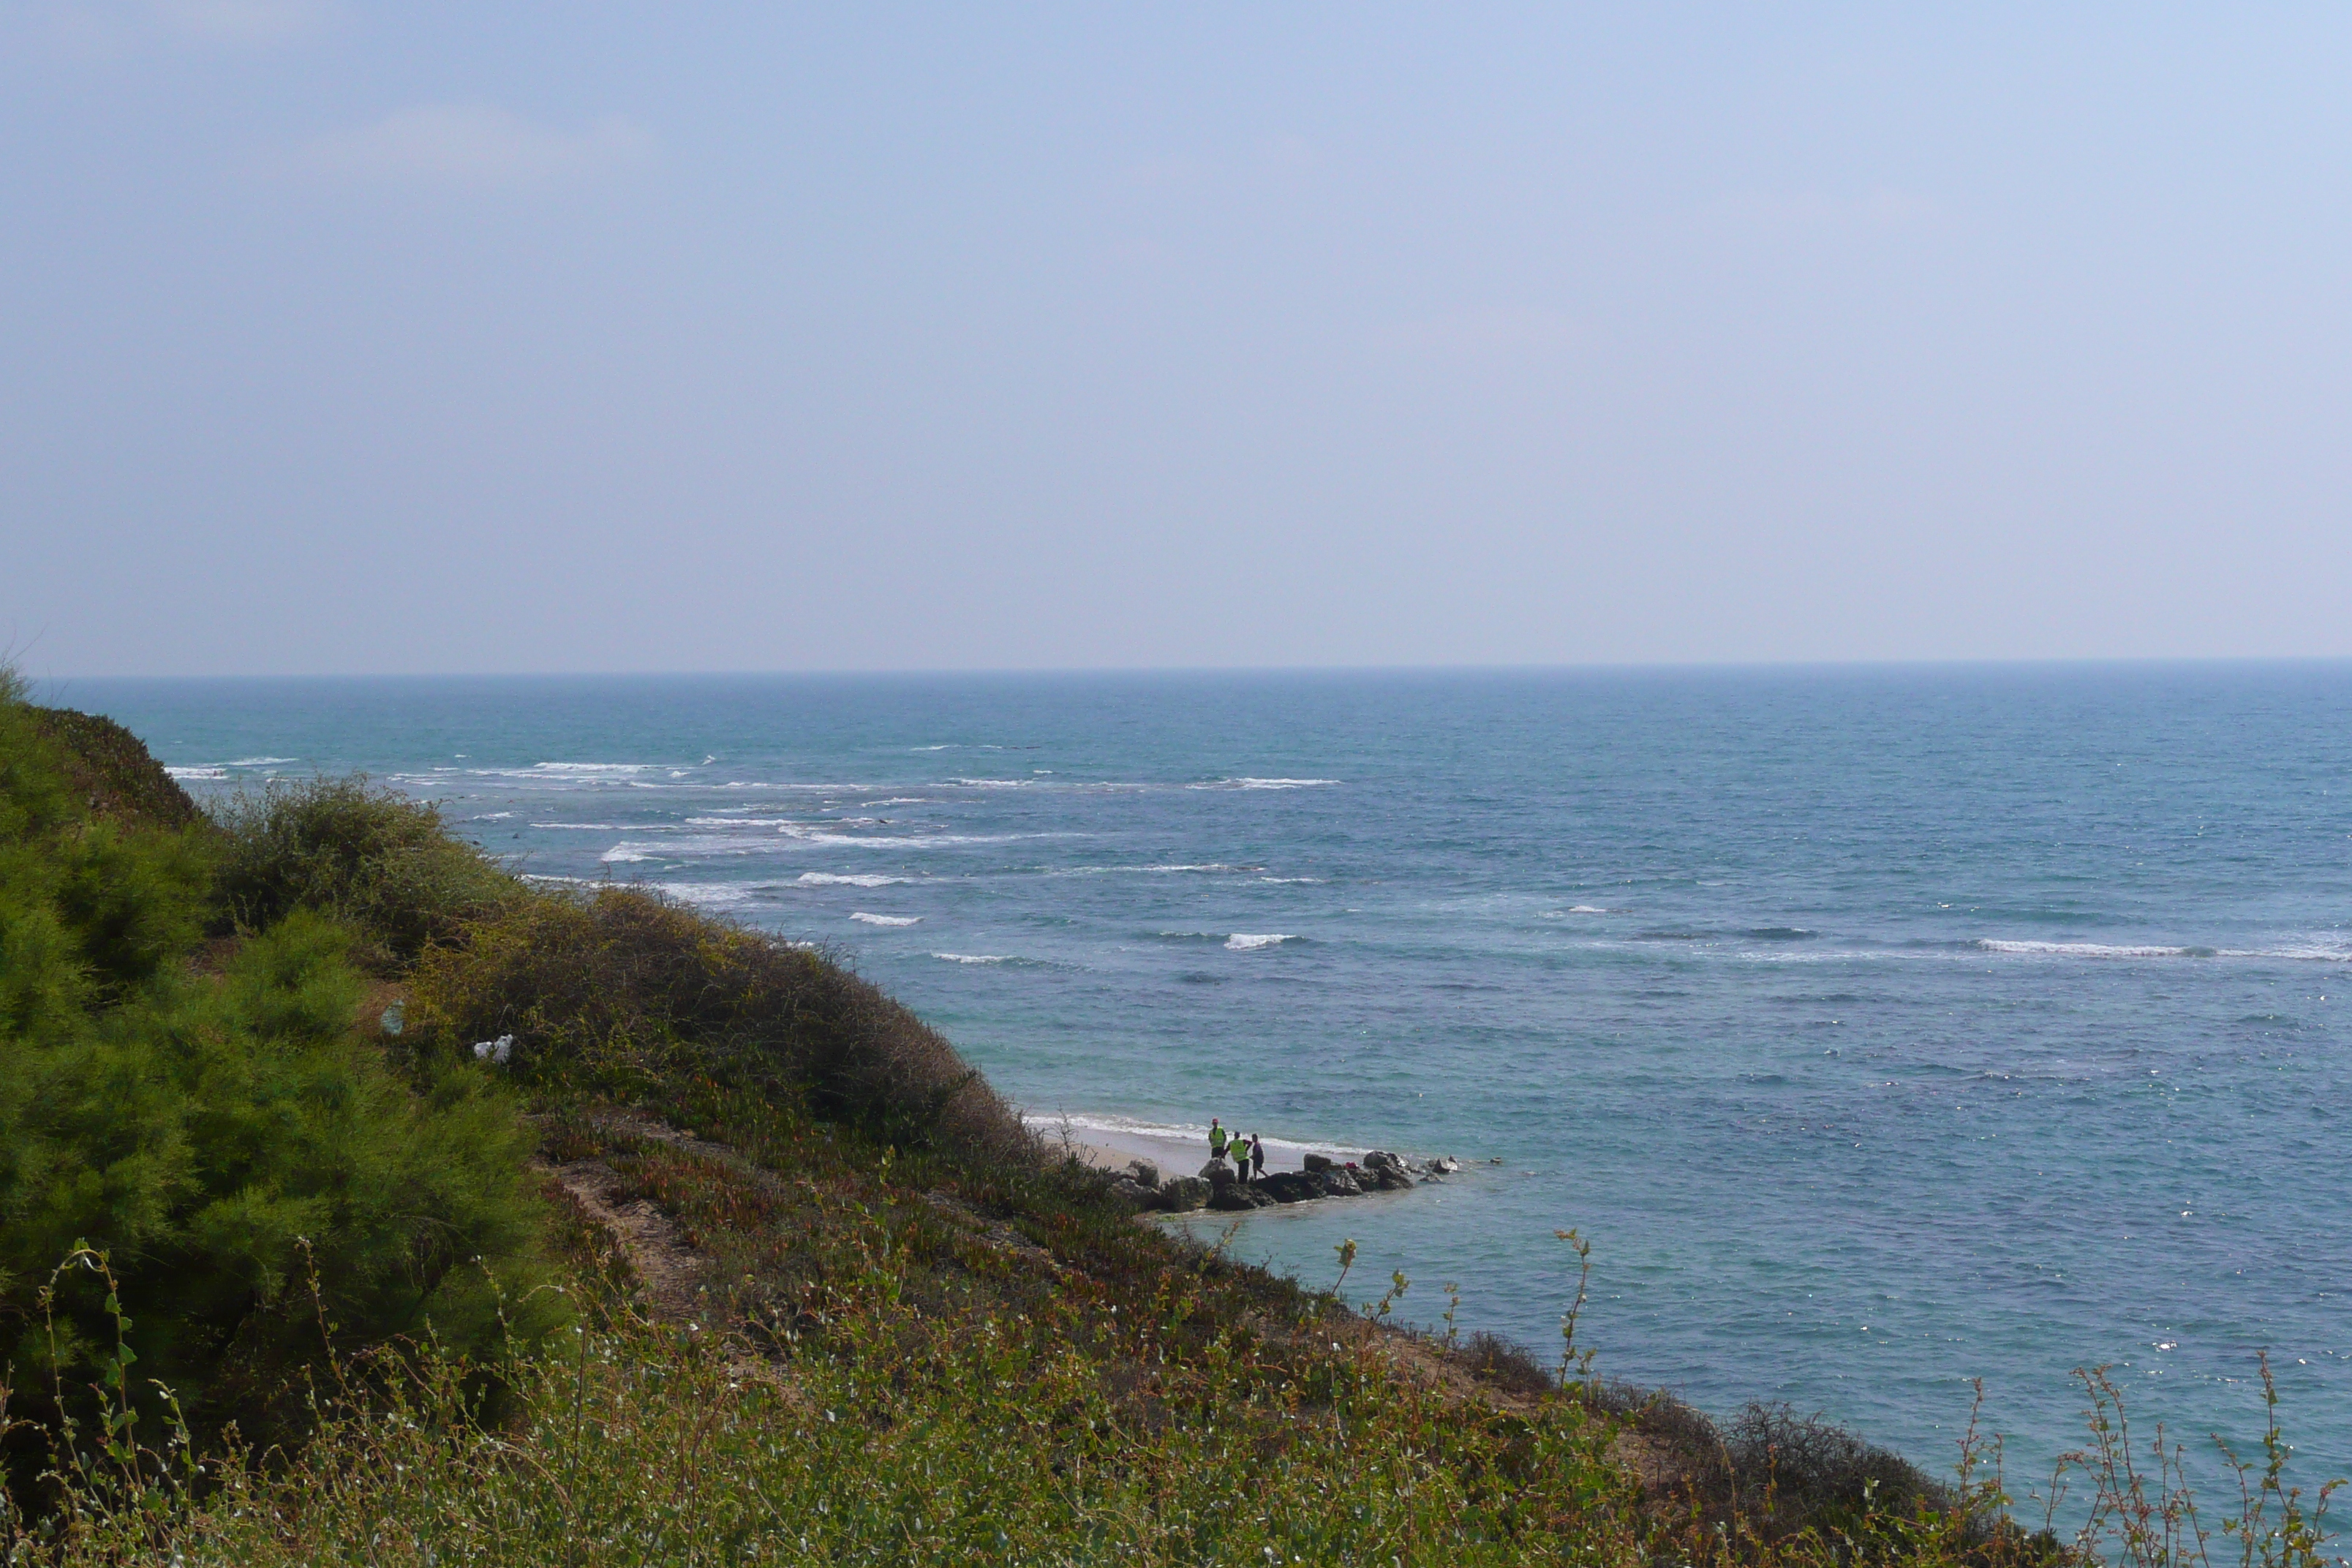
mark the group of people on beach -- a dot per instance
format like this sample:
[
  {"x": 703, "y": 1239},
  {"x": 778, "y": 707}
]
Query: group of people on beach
[{"x": 1248, "y": 1153}]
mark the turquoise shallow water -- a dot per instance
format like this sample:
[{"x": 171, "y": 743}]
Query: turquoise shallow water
[{"x": 1883, "y": 1029}]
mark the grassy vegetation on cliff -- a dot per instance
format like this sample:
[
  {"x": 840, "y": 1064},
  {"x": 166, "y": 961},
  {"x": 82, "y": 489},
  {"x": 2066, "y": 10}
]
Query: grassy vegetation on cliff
[
  {"x": 814, "y": 1294},
  {"x": 214, "y": 1118}
]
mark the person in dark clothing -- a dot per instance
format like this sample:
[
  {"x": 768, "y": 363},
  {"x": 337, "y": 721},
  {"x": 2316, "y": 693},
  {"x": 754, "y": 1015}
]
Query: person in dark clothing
[{"x": 1257, "y": 1155}]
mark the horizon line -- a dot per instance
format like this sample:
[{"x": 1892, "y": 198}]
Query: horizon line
[{"x": 1614, "y": 667}]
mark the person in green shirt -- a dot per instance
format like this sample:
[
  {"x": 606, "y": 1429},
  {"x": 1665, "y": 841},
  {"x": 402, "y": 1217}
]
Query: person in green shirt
[{"x": 1216, "y": 1139}]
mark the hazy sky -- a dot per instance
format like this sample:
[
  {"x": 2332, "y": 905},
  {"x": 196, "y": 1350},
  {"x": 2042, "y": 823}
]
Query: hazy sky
[{"x": 339, "y": 337}]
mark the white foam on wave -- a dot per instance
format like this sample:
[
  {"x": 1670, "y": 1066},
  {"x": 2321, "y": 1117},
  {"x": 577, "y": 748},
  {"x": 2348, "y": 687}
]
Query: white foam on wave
[
  {"x": 802, "y": 788},
  {"x": 1246, "y": 782},
  {"x": 1246, "y": 942},
  {"x": 776, "y": 822},
  {"x": 199, "y": 771},
  {"x": 863, "y": 879},
  {"x": 590, "y": 768},
  {"x": 257, "y": 762},
  {"x": 1586, "y": 909},
  {"x": 975, "y": 957},
  {"x": 1316, "y": 880},
  {"x": 622, "y": 854},
  {"x": 898, "y": 800},
  {"x": 704, "y": 845},
  {"x": 886, "y": 920},
  {"x": 592, "y": 827},
  {"x": 993, "y": 784},
  {"x": 909, "y": 841},
  {"x": 709, "y": 895},
  {"x": 494, "y": 816},
  {"x": 2306, "y": 951},
  {"x": 2092, "y": 950},
  {"x": 1211, "y": 866}
]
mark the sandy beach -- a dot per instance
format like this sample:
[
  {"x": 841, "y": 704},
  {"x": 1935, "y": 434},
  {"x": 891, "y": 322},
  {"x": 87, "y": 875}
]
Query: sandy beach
[{"x": 1176, "y": 1154}]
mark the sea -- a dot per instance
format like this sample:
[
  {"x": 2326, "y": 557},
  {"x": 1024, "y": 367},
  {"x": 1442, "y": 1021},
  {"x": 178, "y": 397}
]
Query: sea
[{"x": 1889, "y": 1033}]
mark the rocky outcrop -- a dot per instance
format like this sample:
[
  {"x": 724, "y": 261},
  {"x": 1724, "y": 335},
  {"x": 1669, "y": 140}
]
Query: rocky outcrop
[{"x": 1224, "y": 1188}]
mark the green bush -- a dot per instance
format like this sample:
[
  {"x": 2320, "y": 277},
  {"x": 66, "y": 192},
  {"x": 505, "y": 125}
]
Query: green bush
[
  {"x": 369, "y": 856},
  {"x": 619, "y": 992},
  {"x": 216, "y": 1134},
  {"x": 88, "y": 907},
  {"x": 110, "y": 771}
]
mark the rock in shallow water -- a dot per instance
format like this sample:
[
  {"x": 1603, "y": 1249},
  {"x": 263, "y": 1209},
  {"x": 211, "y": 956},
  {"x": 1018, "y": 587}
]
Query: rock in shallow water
[
  {"x": 1291, "y": 1187},
  {"x": 1181, "y": 1195}
]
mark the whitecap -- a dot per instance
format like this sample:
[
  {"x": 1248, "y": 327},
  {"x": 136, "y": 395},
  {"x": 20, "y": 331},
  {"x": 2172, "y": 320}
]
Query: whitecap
[
  {"x": 886, "y": 920},
  {"x": 592, "y": 827},
  {"x": 975, "y": 957},
  {"x": 1586, "y": 909},
  {"x": 1244, "y": 942},
  {"x": 1261, "y": 783},
  {"x": 494, "y": 816},
  {"x": 590, "y": 767},
  {"x": 2091, "y": 949},
  {"x": 992, "y": 784},
  {"x": 864, "y": 880},
  {"x": 708, "y": 895},
  {"x": 700, "y": 845},
  {"x": 1316, "y": 880},
  {"x": 910, "y": 840},
  {"x": 257, "y": 762},
  {"x": 1144, "y": 871},
  {"x": 622, "y": 853},
  {"x": 772, "y": 784},
  {"x": 200, "y": 771}
]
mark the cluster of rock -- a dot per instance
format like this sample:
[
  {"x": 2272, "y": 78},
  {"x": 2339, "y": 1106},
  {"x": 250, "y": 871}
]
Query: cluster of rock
[{"x": 1221, "y": 1186}]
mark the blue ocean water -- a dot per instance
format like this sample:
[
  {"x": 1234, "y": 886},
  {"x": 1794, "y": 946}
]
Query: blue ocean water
[{"x": 1883, "y": 1029}]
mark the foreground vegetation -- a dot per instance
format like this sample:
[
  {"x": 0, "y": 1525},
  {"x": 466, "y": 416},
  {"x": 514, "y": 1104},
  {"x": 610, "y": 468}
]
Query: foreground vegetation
[{"x": 731, "y": 1260}]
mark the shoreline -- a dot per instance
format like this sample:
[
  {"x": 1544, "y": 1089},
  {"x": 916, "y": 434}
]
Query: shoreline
[
  {"x": 1152, "y": 1168},
  {"x": 1176, "y": 1152}
]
